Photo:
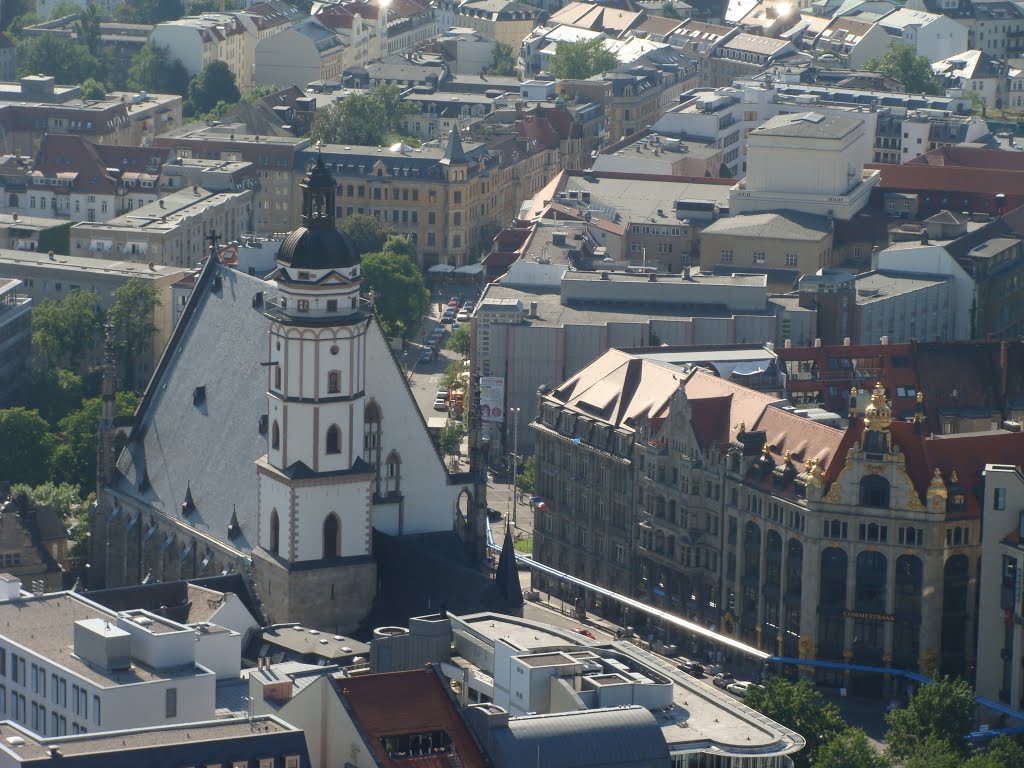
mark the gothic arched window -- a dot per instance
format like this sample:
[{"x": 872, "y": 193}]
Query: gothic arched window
[
  {"x": 334, "y": 439},
  {"x": 332, "y": 536},
  {"x": 275, "y": 531}
]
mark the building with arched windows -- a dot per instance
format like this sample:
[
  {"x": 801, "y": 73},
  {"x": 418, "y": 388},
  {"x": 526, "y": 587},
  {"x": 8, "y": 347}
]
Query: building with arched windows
[
  {"x": 721, "y": 504},
  {"x": 277, "y": 436}
]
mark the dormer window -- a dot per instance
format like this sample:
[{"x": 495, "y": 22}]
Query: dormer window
[{"x": 305, "y": 275}]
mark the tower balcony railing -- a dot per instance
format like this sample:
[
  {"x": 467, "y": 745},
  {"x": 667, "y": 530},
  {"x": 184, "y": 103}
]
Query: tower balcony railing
[{"x": 293, "y": 308}]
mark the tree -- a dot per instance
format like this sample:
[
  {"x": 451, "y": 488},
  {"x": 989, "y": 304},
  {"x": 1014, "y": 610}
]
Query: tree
[
  {"x": 67, "y": 60},
  {"x": 74, "y": 458},
  {"x": 668, "y": 10},
  {"x": 583, "y": 59},
  {"x": 367, "y": 232},
  {"x": 12, "y": 9},
  {"x": 1003, "y": 752},
  {"x": 55, "y": 393},
  {"x": 452, "y": 376},
  {"x": 26, "y": 446},
  {"x": 450, "y": 441},
  {"x": 63, "y": 497},
  {"x": 65, "y": 8},
  {"x": 131, "y": 322},
  {"x": 933, "y": 753},
  {"x": 154, "y": 70},
  {"x": 65, "y": 331},
  {"x": 150, "y": 11},
  {"x": 849, "y": 749},
  {"x": 458, "y": 342},
  {"x": 400, "y": 293},
  {"x": 526, "y": 480},
  {"x": 214, "y": 84},
  {"x": 942, "y": 710},
  {"x": 87, "y": 29},
  {"x": 503, "y": 61},
  {"x": 800, "y": 707},
  {"x": 724, "y": 172},
  {"x": 93, "y": 89},
  {"x": 361, "y": 118},
  {"x": 901, "y": 63}
]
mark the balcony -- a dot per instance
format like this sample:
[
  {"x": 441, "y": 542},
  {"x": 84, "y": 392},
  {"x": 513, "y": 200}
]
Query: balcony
[{"x": 657, "y": 447}]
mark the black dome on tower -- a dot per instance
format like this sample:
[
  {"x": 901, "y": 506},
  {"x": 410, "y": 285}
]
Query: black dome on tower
[{"x": 318, "y": 244}]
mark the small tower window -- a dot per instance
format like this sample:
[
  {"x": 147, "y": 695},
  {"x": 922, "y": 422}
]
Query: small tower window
[
  {"x": 332, "y": 536},
  {"x": 277, "y": 377},
  {"x": 334, "y": 382},
  {"x": 275, "y": 436},
  {"x": 334, "y": 439},
  {"x": 275, "y": 531}
]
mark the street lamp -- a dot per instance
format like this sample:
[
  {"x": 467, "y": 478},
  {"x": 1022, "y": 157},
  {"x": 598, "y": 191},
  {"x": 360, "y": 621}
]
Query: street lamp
[{"x": 515, "y": 461}]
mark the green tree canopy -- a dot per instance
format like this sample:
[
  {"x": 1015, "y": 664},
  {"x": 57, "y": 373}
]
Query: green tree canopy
[
  {"x": 63, "y": 497},
  {"x": 150, "y": 11},
  {"x": 93, "y": 89},
  {"x": 367, "y": 232},
  {"x": 361, "y": 118},
  {"x": 849, "y": 749},
  {"x": 1003, "y": 752},
  {"x": 65, "y": 331},
  {"x": 668, "y": 10},
  {"x": 154, "y": 70},
  {"x": 401, "y": 295},
  {"x": 942, "y": 711},
  {"x": 26, "y": 446},
  {"x": 458, "y": 342},
  {"x": 450, "y": 441},
  {"x": 67, "y": 60},
  {"x": 800, "y": 707},
  {"x": 901, "y": 63},
  {"x": 55, "y": 392},
  {"x": 74, "y": 458},
  {"x": 452, "y": 376},
  {"x": 526, "y": 480},
  {"x": 131, "y": 323},
  {"x": 214, "y": 84},
  {"x": 87, "y": 28},
  {"x": 503, "y": 61},
  {"x": 583, "y": 59}
]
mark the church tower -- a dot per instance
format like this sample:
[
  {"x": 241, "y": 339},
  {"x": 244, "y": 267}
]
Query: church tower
[{"x": 313, "y": 562}]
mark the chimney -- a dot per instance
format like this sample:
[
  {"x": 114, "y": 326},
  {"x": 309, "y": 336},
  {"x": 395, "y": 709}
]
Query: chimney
[
  {"x": 846, "y": 341},
  {"x": 787, "y": 344},
  {"x": 195, "y": 189},
  {"x": 884, "y": 340},
  {"x": 817, "y": 343},
  {"x": 533, "y": 309},
  {"x": 874, "y": 258},
  {"x": 924, "y": 238}
]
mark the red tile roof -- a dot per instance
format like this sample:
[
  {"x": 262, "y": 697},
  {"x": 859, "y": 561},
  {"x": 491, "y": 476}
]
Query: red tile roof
[{"x": 401, "y": 703}]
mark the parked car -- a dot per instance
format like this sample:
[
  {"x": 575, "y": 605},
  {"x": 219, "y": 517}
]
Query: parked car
[
  {"x": 426, "y": 356},
  {"x": 585, "y": 632},
  {"x": 442, "y": 394},
  {"x": 448, "y": 319},
  {"x": 440, "y": 405},
  {"x": 463, "y": 316},
  {"x": 692, "y": 668},
  {"x": 455, "y": 325},
  {"x": 468, "y": 306},
  {"x": 741, "y": 688},
  {"x": 723, "y": 679}
]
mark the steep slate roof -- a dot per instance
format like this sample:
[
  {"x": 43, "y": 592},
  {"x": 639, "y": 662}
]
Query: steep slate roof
[
  {"x": 623, "y": 736},
  {"x": 186, "y": 602},
  {"x": 400, "y": 703},
  {"x": 211, "y": 448}
]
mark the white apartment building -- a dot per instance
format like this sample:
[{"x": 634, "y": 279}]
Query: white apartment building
[
  {"x": 172, "y": 231},
  {"x": 715, "y": 115},
  {"x": 933, "y": 35},
  {"x": 307, "y": 52},
  {"x": 71, "y": 666},
  {"x": 198, "y": 40}
]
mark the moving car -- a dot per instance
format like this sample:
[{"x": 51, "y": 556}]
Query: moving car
[
  {"x": 723, "y": 679},
  {"x": 585, "y": 632},
  {"x": 692, "y": 668}
]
